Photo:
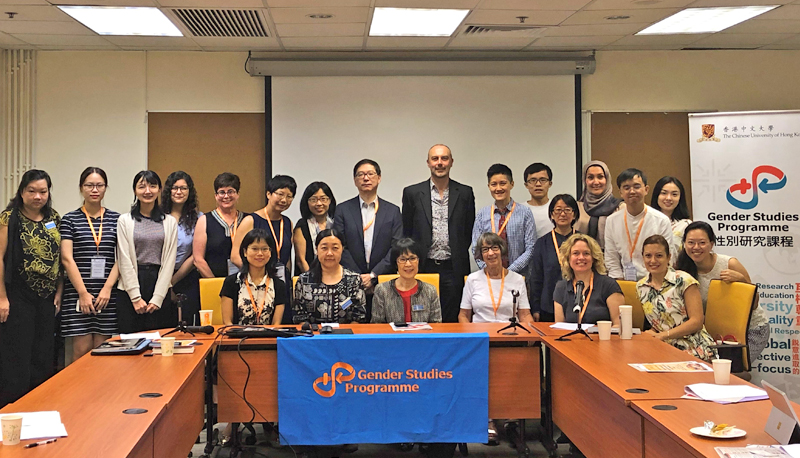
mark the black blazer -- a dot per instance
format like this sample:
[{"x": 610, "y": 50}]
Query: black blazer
[
  {"x": 388, "y": 228},
  {"x": 418, "y": 220}
]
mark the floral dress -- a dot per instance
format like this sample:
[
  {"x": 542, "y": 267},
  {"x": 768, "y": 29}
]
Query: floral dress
[{"x": 665, "y": 309}]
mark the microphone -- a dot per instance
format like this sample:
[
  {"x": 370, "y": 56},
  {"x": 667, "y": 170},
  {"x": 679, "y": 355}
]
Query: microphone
[
  {"x": 514, "y": 295},
  {"x": 578, "y": 297},
  {"x": 200, "y": 329}
]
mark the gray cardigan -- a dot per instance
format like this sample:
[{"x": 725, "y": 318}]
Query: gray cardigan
[{"x": 387, "y": 305}]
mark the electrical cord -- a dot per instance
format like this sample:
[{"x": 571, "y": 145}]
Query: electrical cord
[{"x": 249, "y": 53}]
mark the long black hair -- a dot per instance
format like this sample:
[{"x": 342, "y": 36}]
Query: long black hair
[
  {"x": 189, "y": 213},
  {"x": 682, "y": 210},
  {"x": 258, "y": 235},
  {"x": 685, "y": 263},
  {"x": 150, "y": 177},
  {"x": 312, "y": 189},
  {"x": 315, "y": 269},
  {"x": 29, "y": 177}
]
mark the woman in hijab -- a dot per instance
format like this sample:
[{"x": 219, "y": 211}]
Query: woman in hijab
[{"x": 597, "y": 201}]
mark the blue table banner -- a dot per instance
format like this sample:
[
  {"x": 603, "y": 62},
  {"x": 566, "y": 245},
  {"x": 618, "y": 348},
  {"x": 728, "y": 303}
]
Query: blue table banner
[{"x": 368, "y": 388}]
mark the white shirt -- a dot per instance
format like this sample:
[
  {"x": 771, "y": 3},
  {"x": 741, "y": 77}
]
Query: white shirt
[
  {"x": 617, "y": 254},
  {"x": 367, "y": 215},
  {"x": 476, "y": 297},
  {"x": 542, "y": 218}
]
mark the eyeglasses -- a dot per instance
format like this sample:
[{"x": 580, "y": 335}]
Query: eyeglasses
[
  {"x": 180, "y": 188},
  {"x": 258, "y": 250},
  {"x": 370, "y": 175},
  {"x": 563, "y": 211},
  {"x": 90, "y": 186},
  {"x": 410, "y": 259},
  {"x": 699, "y": 244},
  {"x": 541, "y": 181},
  {"x": 322, "y": 200},
  {"x": 487, "y": 249},
  {"x": 230, "y": 193},
  {"x": 282, "y": 196}
]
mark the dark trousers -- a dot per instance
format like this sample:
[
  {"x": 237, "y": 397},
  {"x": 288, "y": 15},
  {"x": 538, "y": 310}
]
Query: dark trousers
[
  {"x": 547, "y": 317},
  {"x": 26, "y": 343},
  {"x": 129, "y": 321},
  {"x": 451, "y": 287},
  {"x": 190, "y": 287}
]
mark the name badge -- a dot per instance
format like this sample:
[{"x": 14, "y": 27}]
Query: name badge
[
  {"x": 347, "y": 303},
  {"x": 630, "y": 272},
  {"x": 417, "y": 308},
  {"x": 98, "y": 267},
  {"x": 232, "y": 269},
  {"x": 50, "y": 225},
  {"x": 280, "y": 270}
]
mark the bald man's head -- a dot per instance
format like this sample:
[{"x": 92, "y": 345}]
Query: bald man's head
[{"x": 440, "y": 160}]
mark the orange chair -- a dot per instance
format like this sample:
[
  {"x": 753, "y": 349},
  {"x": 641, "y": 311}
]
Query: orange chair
[{"x": 632, "y": 299}]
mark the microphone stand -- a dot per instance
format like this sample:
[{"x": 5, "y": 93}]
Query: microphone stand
[
  {"x": 181, "y": 323},
  {"x": 579, "y": 307},
  {"x": 514, "y": 325}
]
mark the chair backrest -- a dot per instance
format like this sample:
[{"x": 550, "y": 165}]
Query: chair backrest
[
  {"x": 209, "y": 297},
  {"x": 431, "y": 279},
  {"x": 632, "y": 298},
  {"x": 728, "y": 310}
]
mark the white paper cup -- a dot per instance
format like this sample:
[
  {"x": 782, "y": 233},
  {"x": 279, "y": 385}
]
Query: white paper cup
[
  {"x": 12, "y": 429},
  {"x": 167, "y": 346},
  {"x": 722, "y": 371},
  {"x": 625, "y": 322},
  {"x": 604, "y": 330},
  {"x": 205, "y": 317}
]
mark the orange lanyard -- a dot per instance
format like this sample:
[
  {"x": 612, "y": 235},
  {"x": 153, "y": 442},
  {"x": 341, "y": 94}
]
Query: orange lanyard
[
  {"x": 97, "y": 236},
  {"x": 372, "y": 221},
  {"x": 505, "y": 223},
  {"x": 496, "y": 305},
  {"x": 278, "y": 241},
  {"x": 253, "y": 299},
  {"x": 632, "y": 245},
  {"x": 555, "y": 243},
  {"x": 588, "y": 296}
]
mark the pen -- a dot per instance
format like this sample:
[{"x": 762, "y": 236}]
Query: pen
[{"x": 36, "y": 444}]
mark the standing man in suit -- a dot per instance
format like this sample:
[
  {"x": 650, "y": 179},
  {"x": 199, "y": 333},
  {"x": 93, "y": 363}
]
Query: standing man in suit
[
  {"x": 438, "y": 214},
  {"x": 370, "y": 225}
]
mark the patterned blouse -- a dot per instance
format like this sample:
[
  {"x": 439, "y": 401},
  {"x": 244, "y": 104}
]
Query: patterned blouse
[
  {"x": 665, "y": 309},
  {"x": 41, "y": 258},
  {"x": 270, "y": 292},
  {"x": 344, "y": 302}
]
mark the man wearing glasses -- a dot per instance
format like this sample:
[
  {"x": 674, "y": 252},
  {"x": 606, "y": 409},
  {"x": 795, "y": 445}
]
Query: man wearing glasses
[
  {"x": 370, "y": 225},
  {"x": 538, "y": 179}
]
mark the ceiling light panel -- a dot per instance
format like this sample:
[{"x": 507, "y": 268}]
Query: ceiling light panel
[
  {"x": 415, "y": 22},
  {"x": 107, "y": 20},
  {"x": 705, "y": 20}
]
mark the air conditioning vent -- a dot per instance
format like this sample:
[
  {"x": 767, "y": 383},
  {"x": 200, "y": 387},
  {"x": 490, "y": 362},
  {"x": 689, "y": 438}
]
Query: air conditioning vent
[
  {"x": 222, "y": 22},
  {"x": 528, "y": 31}
]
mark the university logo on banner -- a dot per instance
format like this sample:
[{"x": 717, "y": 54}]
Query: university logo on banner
[
  {"x": 745, "y": 185},
  {"x": 383, "y": 389}
]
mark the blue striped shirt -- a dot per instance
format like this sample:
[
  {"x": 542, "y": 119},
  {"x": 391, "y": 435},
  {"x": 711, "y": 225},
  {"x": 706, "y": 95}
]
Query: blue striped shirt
[{"x": 520, "y": 231}]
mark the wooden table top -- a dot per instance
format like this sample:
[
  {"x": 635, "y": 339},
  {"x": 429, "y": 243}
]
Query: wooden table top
[
  {"x": 607, "y": 362},
  {"x": 749, "y": 416},
  {"x": 544, "y": 329},
  {"x": 91, "y": 394}
]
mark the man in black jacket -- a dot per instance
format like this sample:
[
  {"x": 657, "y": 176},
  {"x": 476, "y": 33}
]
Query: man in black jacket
[{"x": 439, "y": 214}]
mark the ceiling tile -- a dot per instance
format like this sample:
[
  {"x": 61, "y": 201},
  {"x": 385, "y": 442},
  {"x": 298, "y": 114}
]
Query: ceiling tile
[
  {"x": 237, "y": 42},
  {"x": 211, "y": 3},
  {"x": 106, "y": 2},
  {"x": 444, "y": 4},
  {"x": 506, "y": 17},
  {"x": 712, "y": 3},
  {"x": 593, "y": 30},
  {"x": 24, "y": 2},
  {"x": 44, "y": 28},
  {"x": 782, "y": 46},
  {"x": 151, "y": 42},
  {"x": 310, "y": 3},
  {"x": 739, "y": 40},
  {"x": 463, "y": 42},
  {"x": 8, "y": 40},
  {"x": 765, "y": 26},
  {"x": 406, "y": 42},
  {"x": 663, "y": 47},
  {"x": 789, "y": 41},
  {"x": 323, "y": 42},
  {"x": 322, "y": 30},
  {"x": 108, "y": 47},
  {"x": 784, "y": 12},
  {"x": 634, "y": 4},
  {"x": 573, "y": 5},
  {"x": 300, "y": 15},
  {"x": 585, "y": 42},
  {"x": 636, "y": 16},
  {"x": 34, "y": 13},
  {"x": 660, "y": 40},
  {"x": 65, "y": 40}
]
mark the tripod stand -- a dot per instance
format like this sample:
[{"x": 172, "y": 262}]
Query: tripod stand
[
  {"x": 579, "y": 306},
  {"x": 514, "y": 325},
  {"x": 182, "y": 326}
]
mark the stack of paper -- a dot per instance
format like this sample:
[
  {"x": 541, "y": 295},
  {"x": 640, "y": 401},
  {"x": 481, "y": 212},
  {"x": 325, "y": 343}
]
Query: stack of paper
[
  {"x": 683, "y": 366},
  {"x": 39, "y": 425},
  {"x": 724, "y": 394},
  {"x": 141, "y": 335},
  {"x": 413, "y": 326}
]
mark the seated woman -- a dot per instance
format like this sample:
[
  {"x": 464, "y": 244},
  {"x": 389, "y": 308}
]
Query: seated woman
[
  {"x": 699, "y": 260},
  {"x": 329, "y": 293},
  {"x": 406, "y": 299},
  {"x": 582, "y": 260},
  {"x": 478, "y": 303},
  {"x": 255, "y": 295},
  {"x": 672, "y": 303}
]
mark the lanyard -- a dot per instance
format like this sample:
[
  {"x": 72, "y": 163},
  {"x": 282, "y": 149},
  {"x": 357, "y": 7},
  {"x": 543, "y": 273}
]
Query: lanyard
[
  {"x": 632, "y": 245},
  {"x": 555, "y": 243},
  {"x": 505, "y": 223},
  {"x": 278, "y": 241},
  {"x": 496, "y": 305},
  {"x": 369, "y": 224},
  {"x": 253, "y": 299},
  {"x": 97, "y": 236},
  {"x": 234, "y": 225},
  {"x": 587, "y": 297}
]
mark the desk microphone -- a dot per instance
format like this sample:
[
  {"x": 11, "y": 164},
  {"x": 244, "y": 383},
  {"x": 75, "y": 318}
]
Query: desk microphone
[
  {"x": 201, "y": 329},
  {"x": 578, "y": 297}
]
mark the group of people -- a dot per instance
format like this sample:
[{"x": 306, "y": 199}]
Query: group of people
[{"x": 140, "y": 270}]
